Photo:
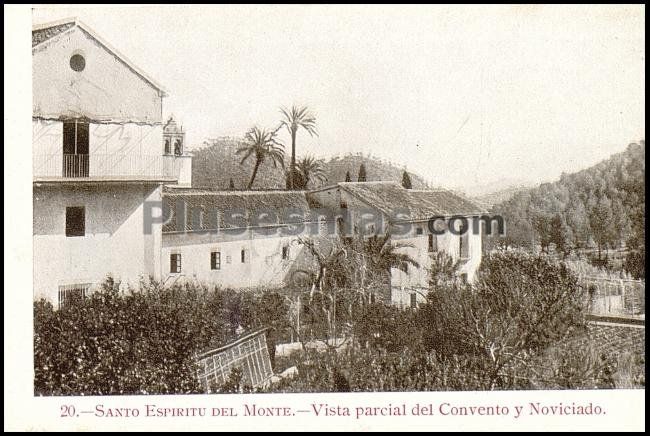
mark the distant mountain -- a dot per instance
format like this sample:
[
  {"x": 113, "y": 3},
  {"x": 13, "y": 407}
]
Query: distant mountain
[
  {"x": 216, "y": 163},
  {"x": 376, "y": 169},
  {"x": 492, "y": 198}
]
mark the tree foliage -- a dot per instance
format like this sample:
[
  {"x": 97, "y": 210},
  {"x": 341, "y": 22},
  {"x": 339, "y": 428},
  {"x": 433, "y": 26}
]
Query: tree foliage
[
  {"x": 261, "y": 145},
  {"x": 141, "y": 342},
  {"x": 406, "y": 180},
  {"x": 602, "y": 206},
  {"x": 362, "y": 173}
]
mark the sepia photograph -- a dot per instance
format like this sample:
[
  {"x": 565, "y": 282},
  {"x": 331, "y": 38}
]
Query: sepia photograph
[{"x": 314, "y": 199}]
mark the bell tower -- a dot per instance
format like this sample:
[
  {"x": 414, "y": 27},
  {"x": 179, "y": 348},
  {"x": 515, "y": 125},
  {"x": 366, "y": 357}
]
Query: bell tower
[
  {"x": 173, "y": 138},
  {"x": 174, "y": 150}
]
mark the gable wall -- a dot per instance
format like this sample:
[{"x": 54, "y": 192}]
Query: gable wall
[{"x": 107, "y": 90}]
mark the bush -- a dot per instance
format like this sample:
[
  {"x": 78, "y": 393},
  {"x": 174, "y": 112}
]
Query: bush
[
  {"x": 634, "y": 264},
  {"x": 519, "y": 305},
  {"x": 387, "y": 328},
  {"x": 140, "y": 342}
]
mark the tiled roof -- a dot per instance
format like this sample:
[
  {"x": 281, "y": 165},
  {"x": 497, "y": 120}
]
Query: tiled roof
[
  {"x": 391, "y": 197},
  {"x": 41, "y": 35},
  {"x": 441, "y": 202},
  {"x": 252, "y": 202}
]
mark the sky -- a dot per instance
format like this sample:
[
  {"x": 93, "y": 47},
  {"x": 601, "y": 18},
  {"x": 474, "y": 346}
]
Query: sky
[{"x": 465, "y": 96}]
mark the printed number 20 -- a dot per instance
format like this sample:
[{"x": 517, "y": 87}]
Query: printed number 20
[{"x": 67, "y": 411}]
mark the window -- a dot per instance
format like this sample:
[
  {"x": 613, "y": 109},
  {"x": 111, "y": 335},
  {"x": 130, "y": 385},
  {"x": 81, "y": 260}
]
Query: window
[
  {"x": 75, "y": 148},
  {"x": 168, "y": 146},
  {"x": 419, "y": 231},
  {"x": 178, "y": 147},
  {"x": 464, "y": 245},
  {"x": 414, "y": 300},
  {"x": 228, "y": 260},
  {"x": 285, "y": 252},
  {"x": 215, "y": 260},
  {"x": 75, "y": 221},
  {"x": 175, "y": 263},
  {"x": 77, "y": 62},
  {"x": 433, "y": 243},
  {"x": 243, "y": 255},
  {"x": 68, "y": 293}
]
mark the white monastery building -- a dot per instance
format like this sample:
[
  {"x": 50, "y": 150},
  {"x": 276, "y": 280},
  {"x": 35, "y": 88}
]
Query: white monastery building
[
  {"x": 98, "y": 155},
  {"x": 103, "y": 157}
]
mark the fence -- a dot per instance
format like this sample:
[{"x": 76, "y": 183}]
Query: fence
[
  {"x": 105, "y": 165},
  {"x": 619, "y": 297},
  {"x": 248, "y": 353}
]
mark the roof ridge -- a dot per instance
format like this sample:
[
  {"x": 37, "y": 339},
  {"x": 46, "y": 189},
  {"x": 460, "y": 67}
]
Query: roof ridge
[
  {"x": 373, "y": 181},
  {"x": 208, "y": 192},
  {"x": 54, "y": 23}
]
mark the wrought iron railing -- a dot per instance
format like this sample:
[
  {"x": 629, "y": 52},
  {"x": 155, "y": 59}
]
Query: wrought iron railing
[{"x": 105, "y": 165}]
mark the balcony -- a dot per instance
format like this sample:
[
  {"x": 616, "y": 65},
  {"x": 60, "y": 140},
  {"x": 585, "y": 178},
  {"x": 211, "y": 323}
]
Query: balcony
[{"x": 106, "y": 167}]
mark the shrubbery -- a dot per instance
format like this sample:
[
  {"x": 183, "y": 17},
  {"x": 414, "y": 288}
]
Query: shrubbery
[
  {"x": 139, "y": 342},
  {"x": 511, "y": 329}
]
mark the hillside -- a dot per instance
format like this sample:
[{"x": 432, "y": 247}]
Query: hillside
[
  {"x": 214, "y": 165},
  {"x": 601, "y": 207},
  {"x": 500, "y": 196}
]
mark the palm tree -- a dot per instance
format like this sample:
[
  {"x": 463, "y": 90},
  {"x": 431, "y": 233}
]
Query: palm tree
[
  {"x": 294, "y": 119},
  {"x": 384, "y": 255},
  {"x": 311, "y": 169},
  {"x": 261, "y": 144}
]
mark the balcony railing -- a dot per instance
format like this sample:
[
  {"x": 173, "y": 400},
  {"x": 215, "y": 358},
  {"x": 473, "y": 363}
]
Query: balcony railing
[{"x": 105, "y": 165}]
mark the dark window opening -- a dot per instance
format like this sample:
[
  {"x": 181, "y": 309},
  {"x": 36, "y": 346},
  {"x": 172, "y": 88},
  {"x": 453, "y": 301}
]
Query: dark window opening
[
  {"x": 178, "y": 147},
  {"x": 75, "y": 221},
  {"x": 70, "y": 293},
  {"x": 168, "y": 146},
  {"x": 433, "y": 243},
  {"x": 285, "y": 252},
  {"x": 414, "y": 301},
  {"x": 175, "y": 263},
  {"x": 77, "y": 62},
  {"x": 75, "y": 148},
  {"x": 215, "y": 260},
  {"x": 243, "y": 256},
  {"x": 464, "y": 245},
  {"x": 419, "y": 231}
]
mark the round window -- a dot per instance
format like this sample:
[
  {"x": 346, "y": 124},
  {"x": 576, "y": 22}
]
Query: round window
[{"x": 77, "y": 62}]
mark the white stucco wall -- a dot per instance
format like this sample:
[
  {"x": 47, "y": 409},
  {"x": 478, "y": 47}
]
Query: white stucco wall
[
  {"x": 114, "y": 241},
  {"x": 121, "y": 139},
  {"x": 417, "y": 279},
  {"x": 184, "y": 169},
  {"x": 106, "y": 89},
  {"x": 264, "y": 266},
  {"x": 114, "y": 149}
]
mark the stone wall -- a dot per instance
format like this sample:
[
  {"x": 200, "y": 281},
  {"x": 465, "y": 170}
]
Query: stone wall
[{"x": 617, "y": 337}]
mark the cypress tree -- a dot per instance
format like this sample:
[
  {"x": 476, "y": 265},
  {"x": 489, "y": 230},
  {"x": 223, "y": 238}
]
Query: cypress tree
[
  {"x": 406, "y": 180},
  {"x": 362, "y": 173}
]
